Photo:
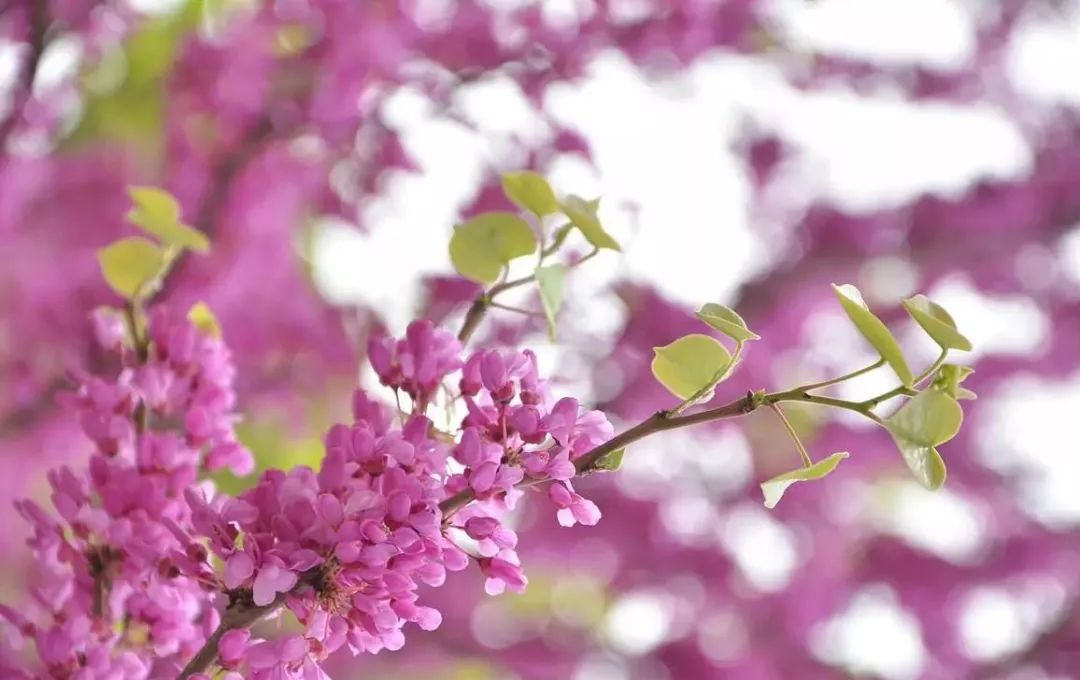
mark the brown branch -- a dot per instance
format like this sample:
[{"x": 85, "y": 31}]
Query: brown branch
[
  {"x": 236, "y": 616},
  {"x": 657, "y": 422}
]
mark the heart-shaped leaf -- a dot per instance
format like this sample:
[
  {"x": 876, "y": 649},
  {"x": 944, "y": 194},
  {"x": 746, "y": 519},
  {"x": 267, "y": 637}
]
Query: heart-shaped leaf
[
  {"x": 875, "y": 332},
  {"x": 926, "y": 421},
  {"x": 530, "y": 191},
  {"x": 551, "y": 283},
  {"x": 727, "y": 321},
  {"x": 481, "y": 247},
  {"x": 774, "y": 488},
  {"x": 690, "y": 364},
  {"x": 158, "y": 213},
  {"x": 583, "y": 215},
  {"x": 937, "y": 323},
  {"x": 131, "y": 265}
]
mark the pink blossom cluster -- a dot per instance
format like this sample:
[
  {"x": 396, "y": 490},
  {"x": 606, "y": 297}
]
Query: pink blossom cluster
[
  {"x": 111, "y": 600},
  {"x": 128, "y": 588},
  {"x": 347, "y": 548}
]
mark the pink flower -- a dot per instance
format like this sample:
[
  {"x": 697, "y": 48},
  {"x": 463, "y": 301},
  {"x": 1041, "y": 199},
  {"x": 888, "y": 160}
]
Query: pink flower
[
  {"x": 572, "y": 507},
  {"x": 503, "y": 572},
  {"x": 271, "y": 579}
]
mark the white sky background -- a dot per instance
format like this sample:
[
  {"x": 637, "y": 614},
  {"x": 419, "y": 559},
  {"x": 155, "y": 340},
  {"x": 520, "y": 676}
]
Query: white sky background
[{"x": 665, "y": 147}]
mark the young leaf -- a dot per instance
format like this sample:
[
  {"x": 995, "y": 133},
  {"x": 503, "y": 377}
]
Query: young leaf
[
  {"x": 550, "y": 281},
  {"x": 937, "y": 323},
  {"x": 875, "y": 332},
  {"x": 928, "y": 420},
  {"x": 583, "y": 214},
  {"x": 202, "y": 317},
  {"x": 481, "y": 247},
  {"x": 690, "y": 363},
  {"x": 530, "y": 191},
  {"x": 948, "y": 380},
  {"x": 158, "y": 213},
  {"x": 612, "y": 461},
  {"x": 725, "y": 320},
  {"x": 774, "y": 488},
  {"x": 130, "y": 265}
]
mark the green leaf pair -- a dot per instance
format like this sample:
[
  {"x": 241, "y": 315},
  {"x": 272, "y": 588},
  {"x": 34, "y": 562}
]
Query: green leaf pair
[
  {"x": 933, "y": 319},
  {"x": 482, "y": 247},
  {"x": 133, "y": 266},
  {"x": 531, "y": 192},
  {"x": 692, "y": 365}
]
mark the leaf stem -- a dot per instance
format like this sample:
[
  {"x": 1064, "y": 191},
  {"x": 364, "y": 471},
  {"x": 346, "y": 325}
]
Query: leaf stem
[
  {"x": 479, "y": 307},
  {"x": 518, "y": 310},
  {"x": 848, "y": 376},
  {"x": 904, "y": 389},
  {"x": 807, "y": 461},
  {"x": 933, "y": 367}
]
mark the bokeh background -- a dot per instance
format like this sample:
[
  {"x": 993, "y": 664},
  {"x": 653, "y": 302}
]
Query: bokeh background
[{"x": 748, "y": 152}]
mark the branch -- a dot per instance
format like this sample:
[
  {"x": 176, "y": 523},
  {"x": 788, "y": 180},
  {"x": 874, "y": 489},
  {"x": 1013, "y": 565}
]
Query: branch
[
  {"x": 236, "y": 617},
  {"x": 668, "y": 420}
]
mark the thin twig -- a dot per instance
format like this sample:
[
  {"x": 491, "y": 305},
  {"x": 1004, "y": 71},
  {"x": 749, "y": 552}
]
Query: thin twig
[
  {"x": 803, "y": 453},
  {"x": 854, "y": 374}
]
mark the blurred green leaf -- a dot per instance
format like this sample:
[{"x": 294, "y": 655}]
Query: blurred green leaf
[
  {"x": 875, "y": 332},
  {"x": 774, "y": 489},
  {"x": 203, "y": 318},
  {"x": 937, "y": 323},
  {"x": 530, "y": 191},
  {"x": 725, "y": 320},
  {"x": 551, "y": 282},
  {"x": 481, "y": 247},
  {"x": 131, "y": 265},
  {"x": 690, "y": 364},
  {"x": 926, "y": 421},
  {"x": 273, "y": 446},
  {"x": 158, "y": 213},
  {"x": 583, "y": 215}
]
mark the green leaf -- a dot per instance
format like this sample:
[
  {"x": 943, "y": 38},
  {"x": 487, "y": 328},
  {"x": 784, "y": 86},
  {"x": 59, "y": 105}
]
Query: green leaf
[
  {"x": 583, "y": 214},
  {"x": 157, "y": 212},
  {"x": 774, "y": 489},
  {"x": 202, "y": 317},
  {"x": 948, "y": 380},
  {"x": 725, "y": 320},
  {"x": 550, "y": 280},
  {"x": 937, "y": 323},
  {"x": 131, "y": 265},
  {"x": 481, "y": 247},
  {"x": 928, "y": 420},
  {"x": 690, "y": 364},
  {"x": 612, "y": 461},
  {"x": 530, "y": 191},
  {"x": 559, "y": 237},
  {"x": 875, "y": 332}
]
